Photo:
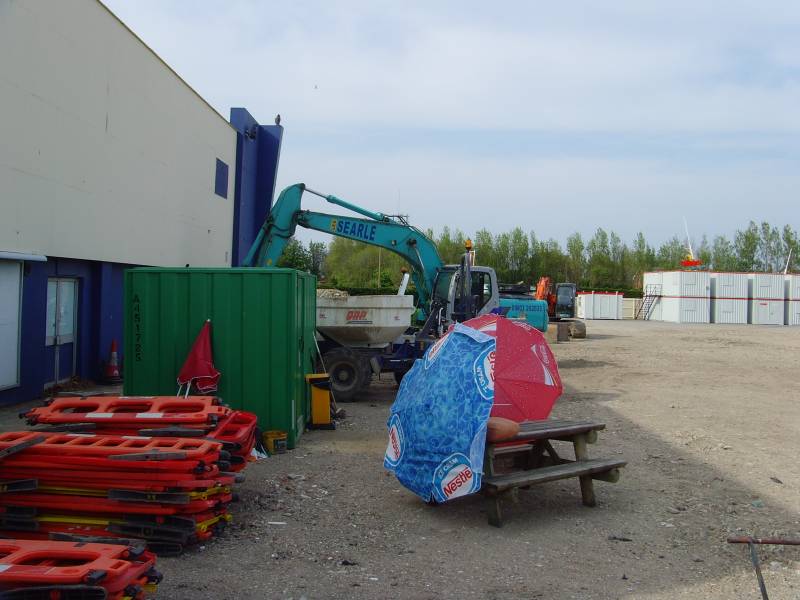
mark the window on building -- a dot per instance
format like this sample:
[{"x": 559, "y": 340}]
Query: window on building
[{"x": 221, "y": 179}]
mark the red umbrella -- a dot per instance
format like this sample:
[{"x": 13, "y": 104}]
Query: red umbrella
[
  {"x": 525, "y": 373},
  {"x": 199, "y": 366}
]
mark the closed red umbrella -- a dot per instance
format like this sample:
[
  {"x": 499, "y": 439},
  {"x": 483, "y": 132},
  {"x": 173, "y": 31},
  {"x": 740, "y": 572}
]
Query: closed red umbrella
[
  {"x": 198, "y": 369},
  {"x": 525, "y": 373}
]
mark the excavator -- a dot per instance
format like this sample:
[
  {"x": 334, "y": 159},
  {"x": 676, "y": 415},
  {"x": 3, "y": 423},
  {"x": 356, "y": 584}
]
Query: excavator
[
  {"x": 561, "y": 303},
  {"x": 447, "y": 293}
]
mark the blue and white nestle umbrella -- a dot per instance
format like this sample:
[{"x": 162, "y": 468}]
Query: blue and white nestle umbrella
[{"x": 437, "y": 426}]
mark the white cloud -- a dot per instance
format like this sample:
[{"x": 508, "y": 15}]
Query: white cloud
[{"x": 721, "y": 77}]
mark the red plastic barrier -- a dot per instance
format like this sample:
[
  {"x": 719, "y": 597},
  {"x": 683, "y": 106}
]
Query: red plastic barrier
[
  {"x": 91, "y": 445},
  {"x": 167, "y": 479},
  {"x": 141, "y": 411},
  {"x": 84, "y": 504},
  {"x": 57, "y": 478},
  {"x": 238, "y": 428},
  {"x": 28, "y": 562}
]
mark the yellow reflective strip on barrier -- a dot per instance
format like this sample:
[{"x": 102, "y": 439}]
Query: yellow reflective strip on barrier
[
  {"x": 76, "y": 520},
  {"x": 73, "y": 491}
]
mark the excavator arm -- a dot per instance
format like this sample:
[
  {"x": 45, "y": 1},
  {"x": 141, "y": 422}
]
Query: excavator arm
[{"x": 376, "y": 229}]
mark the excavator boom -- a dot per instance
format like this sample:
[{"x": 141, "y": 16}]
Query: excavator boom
[{"x": 376, "y": 229}]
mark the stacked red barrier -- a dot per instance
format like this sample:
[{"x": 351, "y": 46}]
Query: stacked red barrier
[
  {"x": 34, "y": 570},
  {"x": 159, "y": 469},
  {"x": 170, "y": 416}
]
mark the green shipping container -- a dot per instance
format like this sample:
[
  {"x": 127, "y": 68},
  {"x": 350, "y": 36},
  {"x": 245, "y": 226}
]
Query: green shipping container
[{"x": 263, "y": 324}]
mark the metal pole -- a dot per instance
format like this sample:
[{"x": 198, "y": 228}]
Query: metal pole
[
  {"x": 757, "y": 566},
  {"x": 751, "y": 543}
]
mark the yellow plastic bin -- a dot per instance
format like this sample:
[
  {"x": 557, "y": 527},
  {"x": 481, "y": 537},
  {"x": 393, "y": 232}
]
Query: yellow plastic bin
[
  {"x": 320, "y": 389},
  {"x": 275, "y": 441}
]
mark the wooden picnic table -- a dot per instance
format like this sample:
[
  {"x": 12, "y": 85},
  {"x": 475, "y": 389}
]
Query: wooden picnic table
[{"x": 529, "y": 458}]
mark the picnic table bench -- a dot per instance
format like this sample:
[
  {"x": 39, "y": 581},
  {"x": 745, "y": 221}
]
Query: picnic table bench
[{"x": 529, "y": 458}]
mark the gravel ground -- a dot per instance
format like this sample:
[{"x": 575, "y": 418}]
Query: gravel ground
[{"x": 707, "y": 417}]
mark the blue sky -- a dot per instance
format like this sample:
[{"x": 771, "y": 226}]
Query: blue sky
[{"x": 557, "y": 118}]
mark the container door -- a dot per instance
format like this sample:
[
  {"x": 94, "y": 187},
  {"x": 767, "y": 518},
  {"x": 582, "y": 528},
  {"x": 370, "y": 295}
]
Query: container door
[
  {"x": 10, "y": 290},
  {"x": 62, "y": 304}
]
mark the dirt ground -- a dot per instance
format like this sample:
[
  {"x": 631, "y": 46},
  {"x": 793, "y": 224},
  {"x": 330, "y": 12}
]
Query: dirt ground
[{"x": 707, "y": 416}]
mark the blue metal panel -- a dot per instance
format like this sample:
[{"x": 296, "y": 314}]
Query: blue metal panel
[
  {"x": 257, "y": 156},
  {"x": 100, "y": 288},
  {"x": 32, "y": 349}
]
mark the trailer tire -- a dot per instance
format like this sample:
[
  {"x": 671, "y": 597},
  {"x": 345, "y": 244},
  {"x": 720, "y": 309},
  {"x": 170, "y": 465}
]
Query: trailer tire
[{"x": 347, "y": 373}]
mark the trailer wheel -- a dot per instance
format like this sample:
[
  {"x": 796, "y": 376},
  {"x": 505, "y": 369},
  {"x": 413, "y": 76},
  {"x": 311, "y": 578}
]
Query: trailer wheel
[{"x": 347, "y": 373}]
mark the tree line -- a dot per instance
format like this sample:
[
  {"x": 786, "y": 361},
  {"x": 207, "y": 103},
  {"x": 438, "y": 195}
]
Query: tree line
[{"x": 603, "y": 261}]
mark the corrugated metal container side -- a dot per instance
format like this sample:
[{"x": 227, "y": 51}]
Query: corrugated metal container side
[
  {"x": 729, "y": 297},
  {"x": 580, "y": 307},
  {"x": 767, "y": 294},
  {"x": 263, "y": 323},
  {"x": 600, "y": 305},
  {"x": 630, "y": 306},
  {"x": 654, "y": 278},
  {"x": 792, "y": 300},
  {"x": 687, "y": 297}
]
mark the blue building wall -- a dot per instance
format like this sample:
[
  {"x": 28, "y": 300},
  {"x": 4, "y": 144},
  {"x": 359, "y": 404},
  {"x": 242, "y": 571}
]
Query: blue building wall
[
  {"x": 99, "y": 321},
  {"x": 258, "y": 149}
]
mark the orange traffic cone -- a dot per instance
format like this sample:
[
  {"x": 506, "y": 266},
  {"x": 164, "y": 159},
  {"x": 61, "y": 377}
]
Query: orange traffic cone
[{"x": 112, "y": 366}]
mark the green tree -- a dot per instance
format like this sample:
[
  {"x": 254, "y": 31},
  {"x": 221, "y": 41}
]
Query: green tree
[
  {"x": 576, "y": 251},
  {"x": 643, "y": 259},
  {"x": 295, "y": 256},
  {"x": 770, "y": 248},
  {"x": 354, "y": 264},
  {"x": 618, "y": 252},
  {"x": 723, "y": 254},
  {"x": 671, "y": 253},
  {"x": 484, "y": 248},
  {"x": 518, "y": 256},
  {"x": 704, "y": 252},
  {"x": 790, "y": 255},
  {"x": 450, "y": 245},
  {"x": 746, "y": 244},
  {"x": 318, "y": 251},
  {"x": 599, "y": 264}
]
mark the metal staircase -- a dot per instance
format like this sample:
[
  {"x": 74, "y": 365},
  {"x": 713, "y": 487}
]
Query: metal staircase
[{"x": 651, "y": 294}]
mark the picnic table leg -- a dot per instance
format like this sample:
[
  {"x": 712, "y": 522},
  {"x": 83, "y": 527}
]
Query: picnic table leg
[
  {"x": 587, "y": 486},
  {"x": 494, "y": 511}
]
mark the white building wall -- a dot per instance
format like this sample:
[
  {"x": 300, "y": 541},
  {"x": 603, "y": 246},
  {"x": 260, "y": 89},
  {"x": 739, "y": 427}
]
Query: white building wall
[
  {"x": 106, "y": 153},
  {"x": 655, "y": 278},
  {"x": 729, "y": 297}
]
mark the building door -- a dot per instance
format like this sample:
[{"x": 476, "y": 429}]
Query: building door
[
  {"x": 62, "y": 322},
  {"x": 10, "y": 286}
]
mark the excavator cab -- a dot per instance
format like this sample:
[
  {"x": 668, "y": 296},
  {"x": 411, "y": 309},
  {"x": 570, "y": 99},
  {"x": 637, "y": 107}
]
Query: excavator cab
[
  {"x": 456, "y": 302},
  {"x": 565, "y": 300}
]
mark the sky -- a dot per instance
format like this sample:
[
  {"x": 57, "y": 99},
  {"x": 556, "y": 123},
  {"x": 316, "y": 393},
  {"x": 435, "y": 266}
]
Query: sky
[{"x": 555, "y": 117}]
